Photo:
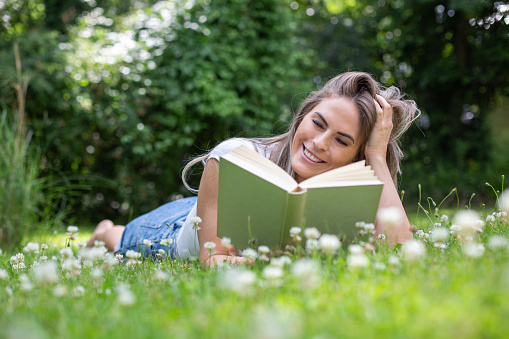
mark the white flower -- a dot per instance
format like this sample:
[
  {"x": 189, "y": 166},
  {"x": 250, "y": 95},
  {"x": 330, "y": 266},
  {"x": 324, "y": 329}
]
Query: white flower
[
  {"x": 226, "y": 243},
  {"x": 147, "y": 243},
  {"x": 196, "y": 220},
  {"x": 467, "y": 220},
  {"x": 72, "y": 229},
  {"x": 394, "y": 260},
  {"x": 473, "y": 250},
  {"x": 31, "y": 247},
  {"x": 238, "y": 280},
  {"x": 379, "y": 266},
  {"x": 311, "y": 233},
  {"x": 21, "y": 265},
  {"x": 209, "y": 246},
  {"x": 497, "y": 242},
  {"x": 329, "y": 243},
  {"x": 13, "y": 260},
  {"x": 71, "y": 266},
  {"x": 80, "y": 244},
  {"x": 160, "y": 275},
  {"x": 355, "y": 249},
  {"x": 503, "y": 200},
  {"x": 99, "y": 243},
  {"x": 96, "y": 273},
  {"x": 307, "y": 273},
  {"x": 25, "y": 284},
  {"x": 3, "y": 274},
  {"x": 125, "y": 296},
  {"x": 490, "y": 218},
  {"x": 357, "y": 260},
  {"x": 249, "y": 254},
  {"x": 381, "y": 236},
  {"x": 78, "y": 291},
  {"x": 119, "y": 257},
  {"x": 46, "y": 273},
  {"x": 390, "y": 216},
  {"x": 132, "y": 254},
  {"x": 263, "y": 249},
  {"x": 60, "y": 290},
  {"x": 281, "y": 261},
  {"x": 44, "y": 247},
  {"x": 66, "y": 252},
  {"x": 413, "y": 250},
  {"x": 166, "y": 242},
  {"x": 273, "y": 274},
  {"x": 92, "y": 254},
  {"x": 444, "y": 218},
  {"x": 109, "y": 261},
  {"x": 20, "y": 257},
  {"x": 295, "y": 231},
  {"x": 312, "y": 245},
  {"x": 439, "y": 234}
]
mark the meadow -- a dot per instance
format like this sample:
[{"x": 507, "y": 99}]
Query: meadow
[{"x": 452, "y": 280}]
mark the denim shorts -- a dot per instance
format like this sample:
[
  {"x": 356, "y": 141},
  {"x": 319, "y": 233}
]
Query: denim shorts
[{"x": 162, "y": 223}]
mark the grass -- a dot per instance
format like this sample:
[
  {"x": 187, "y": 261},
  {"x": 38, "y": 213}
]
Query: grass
[{"x": 443, "y": 294}]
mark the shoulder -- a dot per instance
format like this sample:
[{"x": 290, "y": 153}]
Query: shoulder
[{"x": 228, "y": 146}]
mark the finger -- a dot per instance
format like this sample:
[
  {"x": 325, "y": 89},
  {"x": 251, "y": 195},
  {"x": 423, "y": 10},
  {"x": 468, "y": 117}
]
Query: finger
[{"x": 386, "y": 107}]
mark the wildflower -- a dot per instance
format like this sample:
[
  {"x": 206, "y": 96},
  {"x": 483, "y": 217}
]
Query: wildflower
[
  {"x": 422, "y": 234},
  {"x": 72, "y": 266},
  {"x": 497, "y": 242},
  {"x": 72, "y": 232},
  {"x": 109, "y": 261},
  {"x": 92, "y": 254},
  {"x": 166, "y": 242},
  {"x": 444, "y": 218},
  {"x": 355, "y": 249},
  {"x": 413, "y": 250},
  {"x": 357, "y": 260},
  {"x": 379, "y": 266},
  {"x": 290, "y": 249},
  {"x": 295, "y": 233},
  {"x": 119, "y": 257},
  {"x": 381, "y": 237},
  {"x": 249, "y": 254},
  {"x": 43, "y": 258},
  {"x": 81, "y": 244},
  {"x": 20, "y": 257},
  {"x": 394, "y": 260},
  {"x": 44, "y": 247},
  {"x": 473, "y": 250},
  {"x": 368, "y": 247},
  {"x": 196, "y": 220},
  {"x": 25, "y": 284},
  {"x": 46, "y": 273},
  {"x": 307, "y": 273},
  {"x": 3, "y": 274},
  {"x": 21, "y": 265},
  {"x": 132, "y": 254},
  {"x": 273, "y": 275},
  {"x": 312, "y": 245},
  {"x": 125, "y": 296},
  {"x": 390, "y": 216},
  {"x": 238, "y": 280},
  {"x": 281, "y": 261},
  {"x": 491, "y": 218},
  {"x": 263, "y": 249},
  {"x": 209, "y": 246},
  {"x": 329, "y": 243},
  {"x": 66, "y": 252},
  {"x": 60, "y": 291},
  {"x": 96, "y": 273},
  {"x": 226, "y": 243},
  {"x": 504, "y": 201},
  {"x": 439, "y": 234},
  {"x": 31, "y": 247},
  {"x": 147, "y": 243},
  {"x": 99, "y": 243},
  {"x": 311, "y": 233},
  {"x": 160, "y": 275},
  {"x": 78, "y": 291},
  {"x": 467, "y": 222}
]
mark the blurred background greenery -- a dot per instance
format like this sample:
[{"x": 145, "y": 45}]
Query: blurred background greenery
[{"x": 121, "y": 93}]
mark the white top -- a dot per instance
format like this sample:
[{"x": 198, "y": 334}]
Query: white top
[{"x": 186, "y": 235}]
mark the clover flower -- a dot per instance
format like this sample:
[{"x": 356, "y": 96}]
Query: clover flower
[
  {"x": 312, "y": 245},
  {"x": 66, "y": 253},
  {"x": 81, "y": 244},
  {"x": 78, "y": 291},
  {"x": 390, "y": 216},
  {"x": 31, "y": 247},
  {"x": 497, "y": 242},
  {"x": 295, "y": 233},
  {"x": 20, "y": 257},
  {"x": 444, "y": 218},
  {"x": 474, "y": 250},
  {"x": 311, "y": 233},
  {"x": 329, "y": 243},
  {"x": 109, "y": 261},
  {"x": 60, "y": 291},
  {"x": 196, "y": 221},
  {"x": 357, "y": 260},
  {"x": 238, "y": 280},
  {"x": 72, "y": 232},
  {"x": 249, "y": 254},
  {"x": 355, "y": 249},
  {"x": 467, "y": 221},
  {"x": 379, "y": 266},
  {"x": 46, "y": 273},
  {"x": 99, "y": 243},
  {"x": 72, "y": 266},
  {"x": 160, "y": 275},
  {"x": 147, "y": 243},
  {"x": 125, "y": 296},
  {"x": 273, "y": 275},
  {"x": 119, "y": 257},
  {"x": 413, "y": 250},
  {"x": 25, "y": 283},
  {"x": 281, "y": 261},
  {"x": 3, "y": 274},
  {"x": 166, "y": 241},
  {"x": 394, "y": 260},
  {"x": 132, "y": 254},
  {"x": 44, "y": 247},
  {"x": 209, "y": 246},
  {"x": 503, "y": 201},
  {"x": 307, "y": 273},
  {"x": 381, "y": 237}
]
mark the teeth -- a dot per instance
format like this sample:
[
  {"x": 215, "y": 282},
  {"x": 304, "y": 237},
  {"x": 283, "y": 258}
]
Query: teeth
[{"x": 311, "y": 157}]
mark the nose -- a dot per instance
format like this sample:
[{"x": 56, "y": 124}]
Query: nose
[{"x": 321, "y": 142}]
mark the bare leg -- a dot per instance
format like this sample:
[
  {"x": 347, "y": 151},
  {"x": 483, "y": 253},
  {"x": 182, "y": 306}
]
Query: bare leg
[{"x": 108, "y": 232}]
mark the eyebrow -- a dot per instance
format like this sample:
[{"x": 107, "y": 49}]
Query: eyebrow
[{"x": 346, "y": 135}]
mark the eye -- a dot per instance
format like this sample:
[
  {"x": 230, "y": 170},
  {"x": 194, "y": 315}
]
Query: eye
[
  {"x": 317, "y": 123},
  {"x": 341, "y": 142}
]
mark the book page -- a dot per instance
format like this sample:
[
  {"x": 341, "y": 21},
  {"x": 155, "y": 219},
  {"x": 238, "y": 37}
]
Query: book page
[
  {"x": 356, "y": 173},
  {"x": 257, "y": 164}
]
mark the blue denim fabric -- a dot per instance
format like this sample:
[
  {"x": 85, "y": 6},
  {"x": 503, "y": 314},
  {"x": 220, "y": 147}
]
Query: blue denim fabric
[{"x": 162, "y": 223}]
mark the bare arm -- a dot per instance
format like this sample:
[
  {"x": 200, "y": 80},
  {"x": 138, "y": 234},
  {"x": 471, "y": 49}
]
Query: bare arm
[
  {"x": 207, "y": 211},
  {"x": 376, "y": 150}
]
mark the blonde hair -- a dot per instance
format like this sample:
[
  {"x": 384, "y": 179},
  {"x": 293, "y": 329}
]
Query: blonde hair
[{"x": 361, "y": 88}]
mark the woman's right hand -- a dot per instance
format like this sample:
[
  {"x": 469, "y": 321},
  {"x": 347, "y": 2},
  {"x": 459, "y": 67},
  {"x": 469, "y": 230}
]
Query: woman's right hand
[{"x": 217, "y": 258}]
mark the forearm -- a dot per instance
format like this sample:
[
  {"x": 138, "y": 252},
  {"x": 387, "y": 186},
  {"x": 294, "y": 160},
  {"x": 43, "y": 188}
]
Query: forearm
[{"x": 390, "y": 198}]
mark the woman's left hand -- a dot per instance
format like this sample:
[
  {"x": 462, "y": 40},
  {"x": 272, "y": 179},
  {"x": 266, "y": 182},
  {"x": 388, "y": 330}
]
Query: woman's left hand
[{"x": 376, "y": 147}]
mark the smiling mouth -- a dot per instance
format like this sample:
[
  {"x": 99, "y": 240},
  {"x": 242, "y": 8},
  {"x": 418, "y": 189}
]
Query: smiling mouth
[{"x": 311, "y": 156}]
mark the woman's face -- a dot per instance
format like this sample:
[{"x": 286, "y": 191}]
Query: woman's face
[{"x": 327, "y": 138}]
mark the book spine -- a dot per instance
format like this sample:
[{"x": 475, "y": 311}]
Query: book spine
[{"x": 294, "y": 214}]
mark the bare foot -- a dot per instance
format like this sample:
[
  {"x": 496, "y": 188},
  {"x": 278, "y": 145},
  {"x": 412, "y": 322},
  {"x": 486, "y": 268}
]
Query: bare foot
[{"x": 102, "y": 227}]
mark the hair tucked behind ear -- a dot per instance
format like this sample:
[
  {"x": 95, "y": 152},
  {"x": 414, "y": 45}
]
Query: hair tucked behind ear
[{"x": 361, "y": 88}]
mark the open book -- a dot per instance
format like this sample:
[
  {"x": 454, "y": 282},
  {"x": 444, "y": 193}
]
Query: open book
[{"x": 259, "y": 200}]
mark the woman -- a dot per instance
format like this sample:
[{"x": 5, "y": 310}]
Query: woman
[{"x": 351, "y": 118}]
